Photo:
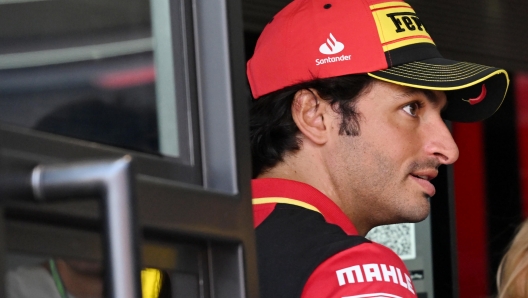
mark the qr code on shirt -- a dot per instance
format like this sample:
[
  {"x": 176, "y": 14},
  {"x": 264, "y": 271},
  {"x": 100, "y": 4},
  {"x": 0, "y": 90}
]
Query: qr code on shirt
[{"x": 398, "y": 237}]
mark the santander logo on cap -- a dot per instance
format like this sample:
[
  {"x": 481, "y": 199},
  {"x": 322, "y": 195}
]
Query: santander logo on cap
[{"x": 332, "y": 46}]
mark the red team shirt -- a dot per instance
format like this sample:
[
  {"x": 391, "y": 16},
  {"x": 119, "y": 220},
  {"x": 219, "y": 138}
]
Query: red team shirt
[{"x": 308, "y": 248}]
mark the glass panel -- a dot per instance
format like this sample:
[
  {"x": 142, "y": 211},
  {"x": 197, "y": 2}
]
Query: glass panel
[
  {"x": 30, "y": 276},
  {"x": 183, "y": 267},
  {"x": 86, "y": 69},
  {"x": 50, "y": 262},
  {"x": 48, "y": 277}
]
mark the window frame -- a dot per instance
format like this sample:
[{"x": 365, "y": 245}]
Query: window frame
[{"x": 215, "y": 213}]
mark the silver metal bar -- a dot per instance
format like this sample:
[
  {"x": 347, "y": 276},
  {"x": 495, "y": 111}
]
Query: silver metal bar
[
  {"x": 216, "y": 95},
  {"x": 3, "y": 253},
  {"x": 165, "y": 88},
  {"x": 112, "y": 181}
]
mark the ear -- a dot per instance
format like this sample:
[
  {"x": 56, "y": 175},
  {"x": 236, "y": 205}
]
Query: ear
[{"x": 309, "y": 112}]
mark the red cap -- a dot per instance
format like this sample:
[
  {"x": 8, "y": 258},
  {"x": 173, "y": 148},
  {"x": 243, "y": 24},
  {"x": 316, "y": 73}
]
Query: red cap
[{"x": 311, "y": 39}]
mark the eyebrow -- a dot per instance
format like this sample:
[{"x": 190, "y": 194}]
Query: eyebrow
[{"x": 429, "y": 95}]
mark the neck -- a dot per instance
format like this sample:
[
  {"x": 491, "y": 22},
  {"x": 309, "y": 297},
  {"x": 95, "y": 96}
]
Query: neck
[
  {"x": 310, "y": 165},
  {"x": 295, "y": 167}
]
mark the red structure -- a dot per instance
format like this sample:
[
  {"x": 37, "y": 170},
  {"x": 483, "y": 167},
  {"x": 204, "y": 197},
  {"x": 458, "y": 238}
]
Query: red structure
[
  {"x": 521, "y": 107},
  {"x": 470, "y": 205}
]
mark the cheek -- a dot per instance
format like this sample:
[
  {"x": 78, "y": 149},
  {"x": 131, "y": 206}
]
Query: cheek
[
  {"x": 396, "y": 140},
  {"x": 368, "y": 162}
]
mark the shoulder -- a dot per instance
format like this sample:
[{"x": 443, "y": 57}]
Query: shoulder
[
  {"x": 292, "y": 231},
  {"x": 291, "y": 242},
  {"x": 369, "y": 270}
]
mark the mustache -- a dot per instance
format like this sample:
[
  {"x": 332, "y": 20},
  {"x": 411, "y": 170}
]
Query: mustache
[{"x": 424, "y": 165}]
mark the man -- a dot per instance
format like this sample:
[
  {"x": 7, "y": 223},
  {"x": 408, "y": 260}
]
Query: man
[{"x": 347, "y": 130}]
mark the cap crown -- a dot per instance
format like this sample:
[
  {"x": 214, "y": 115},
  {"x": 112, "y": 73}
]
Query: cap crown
[{"x": 311, "y": 39}]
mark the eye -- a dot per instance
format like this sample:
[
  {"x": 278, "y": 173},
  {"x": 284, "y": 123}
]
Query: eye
[{"x": 412, "y": 108}]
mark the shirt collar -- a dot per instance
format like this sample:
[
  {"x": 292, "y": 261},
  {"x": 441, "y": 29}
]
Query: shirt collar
[{"x": 276, "y": 190}]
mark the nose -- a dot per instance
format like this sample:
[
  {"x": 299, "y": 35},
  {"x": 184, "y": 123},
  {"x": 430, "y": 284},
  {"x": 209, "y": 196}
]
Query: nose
[{"x": 440, "y": 143}]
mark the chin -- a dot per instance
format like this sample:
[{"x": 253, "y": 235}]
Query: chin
[
  {"x": 420, "y": 213},
  {"x": 419, "y": 217},
  {"x": 417, "y": 211}
]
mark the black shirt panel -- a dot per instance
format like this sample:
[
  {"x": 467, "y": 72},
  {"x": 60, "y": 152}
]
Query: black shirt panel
[{"x": 291, "y": 242}]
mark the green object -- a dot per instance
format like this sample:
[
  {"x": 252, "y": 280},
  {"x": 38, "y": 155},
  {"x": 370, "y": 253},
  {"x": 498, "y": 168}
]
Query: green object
[{"x": 57, "y": 279}]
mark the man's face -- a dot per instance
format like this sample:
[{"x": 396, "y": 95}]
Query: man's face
[{"x": 383, "y": 175}]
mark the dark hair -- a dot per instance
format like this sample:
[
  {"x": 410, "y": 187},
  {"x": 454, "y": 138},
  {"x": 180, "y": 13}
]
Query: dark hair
[{"x": 273, "y": 131}]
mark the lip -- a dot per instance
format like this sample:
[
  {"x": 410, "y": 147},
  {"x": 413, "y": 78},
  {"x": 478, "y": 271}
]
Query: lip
[{"x": 427, "y": 186}]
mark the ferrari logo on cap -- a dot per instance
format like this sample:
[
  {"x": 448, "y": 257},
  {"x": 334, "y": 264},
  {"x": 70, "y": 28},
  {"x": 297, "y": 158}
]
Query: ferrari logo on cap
[
  {"x": 474, "y": 101},
  {"x": 409, "y": 19},
  {"x": 332, "y": 46},
  {"x": 398, "y": 26}
]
